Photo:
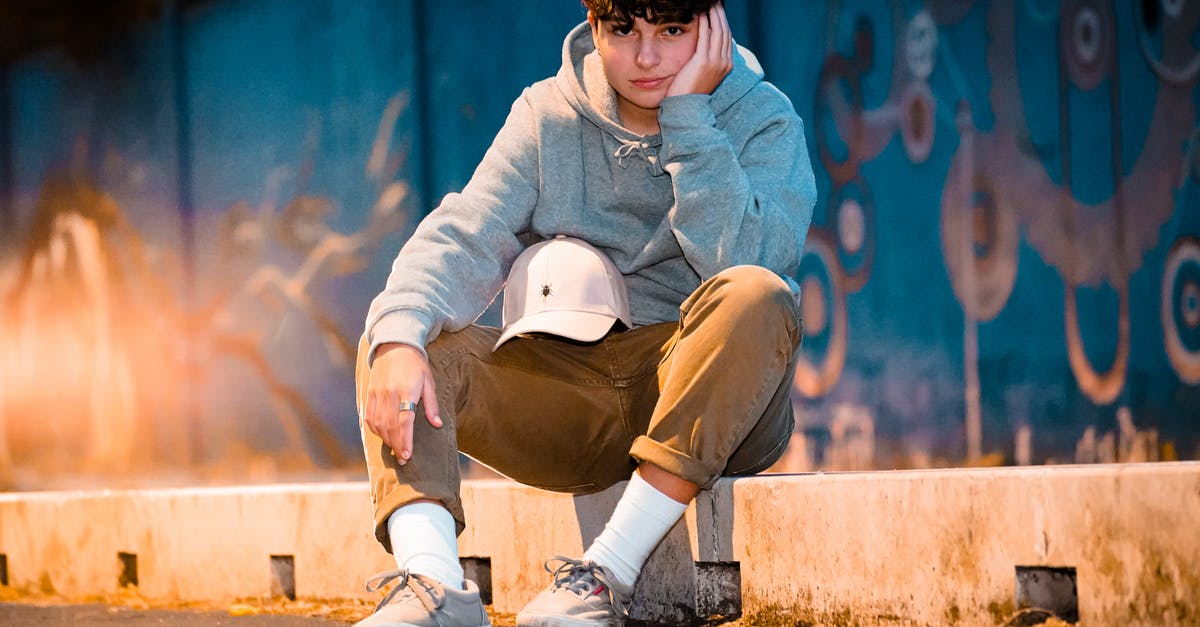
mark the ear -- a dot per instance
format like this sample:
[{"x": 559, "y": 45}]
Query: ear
[{"x": 595, "y": 24}]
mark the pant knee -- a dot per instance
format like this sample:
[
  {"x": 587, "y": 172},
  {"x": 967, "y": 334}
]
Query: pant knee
[
  {"x": 755, "y": 287},
  {"x": 748, "y": 297}
]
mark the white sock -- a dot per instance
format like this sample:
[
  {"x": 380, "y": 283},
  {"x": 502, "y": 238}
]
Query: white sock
[
  {"x": 424, "y": 542},
  {"x": 642, "y": 518}
]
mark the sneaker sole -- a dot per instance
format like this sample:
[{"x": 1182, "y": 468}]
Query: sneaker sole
[
  {"x": 525, "y": 620},
  {"x": 391, "y": 624}
]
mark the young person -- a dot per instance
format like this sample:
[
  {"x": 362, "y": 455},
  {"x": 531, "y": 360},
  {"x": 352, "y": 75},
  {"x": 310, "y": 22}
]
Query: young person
[{"x": 668, "y": 161}]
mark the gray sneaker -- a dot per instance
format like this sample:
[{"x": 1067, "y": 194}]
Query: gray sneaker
[
  {"x": 419, "y": 601},
  {"x": 583, "y": 593}
]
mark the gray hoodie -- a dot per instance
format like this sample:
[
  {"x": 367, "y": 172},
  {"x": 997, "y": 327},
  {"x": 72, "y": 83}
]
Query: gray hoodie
[{"x": 726, "y": 182}]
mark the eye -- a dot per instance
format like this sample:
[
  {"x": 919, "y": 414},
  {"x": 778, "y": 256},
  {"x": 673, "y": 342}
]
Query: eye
[
  {"x": 674, "y": 30},
  {"x": 621, "y": 30}
]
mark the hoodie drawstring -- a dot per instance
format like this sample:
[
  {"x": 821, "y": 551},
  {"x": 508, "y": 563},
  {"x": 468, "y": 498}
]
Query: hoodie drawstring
[{"x": 641, "y": 149}]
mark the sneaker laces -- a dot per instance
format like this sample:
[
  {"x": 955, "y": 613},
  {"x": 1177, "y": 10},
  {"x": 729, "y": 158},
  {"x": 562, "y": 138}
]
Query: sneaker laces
[
  {"x": 427, "y": 591},
  {"x": 582, "y": 577}
]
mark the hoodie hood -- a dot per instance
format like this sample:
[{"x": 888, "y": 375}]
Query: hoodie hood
[{"x": 581, "y": 80}]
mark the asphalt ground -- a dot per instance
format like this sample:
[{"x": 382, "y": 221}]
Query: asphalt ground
[
  {"x": 288, "y": 614},
  {"x": 50, "y": 611},
  {"x": 129, "y": 607},
  {"x": 98, "y": 615}
]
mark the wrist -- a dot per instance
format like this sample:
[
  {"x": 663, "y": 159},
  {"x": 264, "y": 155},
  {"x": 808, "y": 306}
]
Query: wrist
[
  {"x": 390, "y": 347},
  {"x": 686, "y": 111}
]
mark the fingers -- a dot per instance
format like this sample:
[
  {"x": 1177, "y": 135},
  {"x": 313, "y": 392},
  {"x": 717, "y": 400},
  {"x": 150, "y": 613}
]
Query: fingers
[
  {"x": 370, "y": 411},
  {"x": 704, "y": 39},
  {"x": 721, "y": 42},
  {"x": 400, "y": 379},
  {"x": 429, "y": 400},
  {"x": 712, "y": 60},
  {"x": 374, "y": 416},
  {"x": 403, "y": 433},
  {"x": 393, "y": 426},
  {"x": 726, "y": 36},
  {"x": 713, "y": 19}
]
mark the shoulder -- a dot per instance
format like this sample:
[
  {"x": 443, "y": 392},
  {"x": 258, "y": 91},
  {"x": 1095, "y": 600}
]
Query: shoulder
[
  {"x": 766, "y": 101},
  {"x": 542, "y": 90},
  {"x": 544, "y": 103},
  {"x": 545, "y": 95},
  {"x": 762, "y": 109}
]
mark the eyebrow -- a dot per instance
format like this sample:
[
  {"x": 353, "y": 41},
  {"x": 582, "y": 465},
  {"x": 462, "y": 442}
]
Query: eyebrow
[{"x": 630, "y": 23}]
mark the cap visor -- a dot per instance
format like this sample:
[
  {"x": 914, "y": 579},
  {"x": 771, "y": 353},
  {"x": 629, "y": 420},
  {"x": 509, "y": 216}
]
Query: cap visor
[{"x": 584, "y": 326}]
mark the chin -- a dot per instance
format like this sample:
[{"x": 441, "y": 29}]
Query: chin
[{"x": 647, "y": 103}]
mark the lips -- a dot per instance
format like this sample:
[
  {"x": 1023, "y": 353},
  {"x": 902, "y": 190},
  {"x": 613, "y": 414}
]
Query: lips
[{"x": 649, "y": 83}]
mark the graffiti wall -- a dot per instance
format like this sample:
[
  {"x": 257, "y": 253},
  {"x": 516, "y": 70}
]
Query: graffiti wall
[{"x": 1004, "y": 265}]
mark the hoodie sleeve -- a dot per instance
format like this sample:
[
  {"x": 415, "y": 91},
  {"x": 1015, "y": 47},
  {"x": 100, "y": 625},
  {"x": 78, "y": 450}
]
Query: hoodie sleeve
[
  {"x": 735, "y": 205},
  {"x": 457, "y": 259}
]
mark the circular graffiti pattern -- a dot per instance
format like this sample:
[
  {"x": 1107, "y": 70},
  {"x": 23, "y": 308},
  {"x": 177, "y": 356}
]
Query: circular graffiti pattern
[
  {"x": 824, "y": 332},
  {"x": 1181, "y": 308},
  {"x": 816, "y": 318},
  {"x": 1101, "y": 387},
  {"x": 855, "y": 229},
  {"x": 850, "y": 225},
  {"x": 1087, "y": 35},
  {"x": 1190, "y": 305},
  {"x": 917, "y": 108},
  {"x": 920, "y": 43},
  {"x": 1167, "y": 31},
  {"x": 840, "y": 102},
  {"x": 979, "y": 242}
]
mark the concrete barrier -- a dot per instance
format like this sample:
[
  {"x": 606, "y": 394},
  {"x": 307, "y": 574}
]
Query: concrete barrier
[{"x": 1118, "y": 544}]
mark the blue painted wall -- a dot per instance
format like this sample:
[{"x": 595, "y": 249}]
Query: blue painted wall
[{"x": 1003, "y": 266}]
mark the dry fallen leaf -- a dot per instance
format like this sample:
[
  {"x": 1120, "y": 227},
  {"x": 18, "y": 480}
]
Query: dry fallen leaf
[{"x": 241, "y": 609}]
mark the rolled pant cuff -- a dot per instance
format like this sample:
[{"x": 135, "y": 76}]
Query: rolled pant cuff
[
  {"x": 396, "y": 499},
  {"x": 679, "y": 464}
]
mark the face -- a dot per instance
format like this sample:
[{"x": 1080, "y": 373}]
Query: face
[{"x": 640, "y": 61}]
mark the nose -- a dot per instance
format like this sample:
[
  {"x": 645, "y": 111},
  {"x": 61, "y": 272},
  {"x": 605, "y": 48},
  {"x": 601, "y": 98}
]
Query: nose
[{"x": 647, "y": 53}]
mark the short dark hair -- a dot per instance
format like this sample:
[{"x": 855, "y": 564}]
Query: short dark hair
[{"x": 623, "y": 12}]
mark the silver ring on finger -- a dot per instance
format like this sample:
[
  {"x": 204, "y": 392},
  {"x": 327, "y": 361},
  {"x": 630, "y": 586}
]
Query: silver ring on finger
[{"x": 407, "y": 406}]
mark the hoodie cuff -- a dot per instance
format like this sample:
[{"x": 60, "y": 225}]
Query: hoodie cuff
[
  {"x": 686, "y": 111},
  {"x": 688, "y": 126},
  {"x": 402, "y": 326}
]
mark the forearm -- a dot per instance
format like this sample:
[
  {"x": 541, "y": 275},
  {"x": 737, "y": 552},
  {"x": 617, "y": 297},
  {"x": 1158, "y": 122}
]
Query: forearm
[
  {"x": 455, "y": 262},
  {"x": 736, "y": 205},
  {"x": 444, "y": 277}
]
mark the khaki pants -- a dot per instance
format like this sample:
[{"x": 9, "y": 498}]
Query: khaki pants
[{"x": 705, "y": 397}]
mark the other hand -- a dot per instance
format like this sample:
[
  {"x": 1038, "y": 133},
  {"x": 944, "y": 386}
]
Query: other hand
[
  {"x": 399, "y": 373},
  {"x": 713, "y": 59}
]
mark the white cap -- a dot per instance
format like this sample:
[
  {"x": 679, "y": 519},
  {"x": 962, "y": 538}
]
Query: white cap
[{"x": 566, "y": 287}]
